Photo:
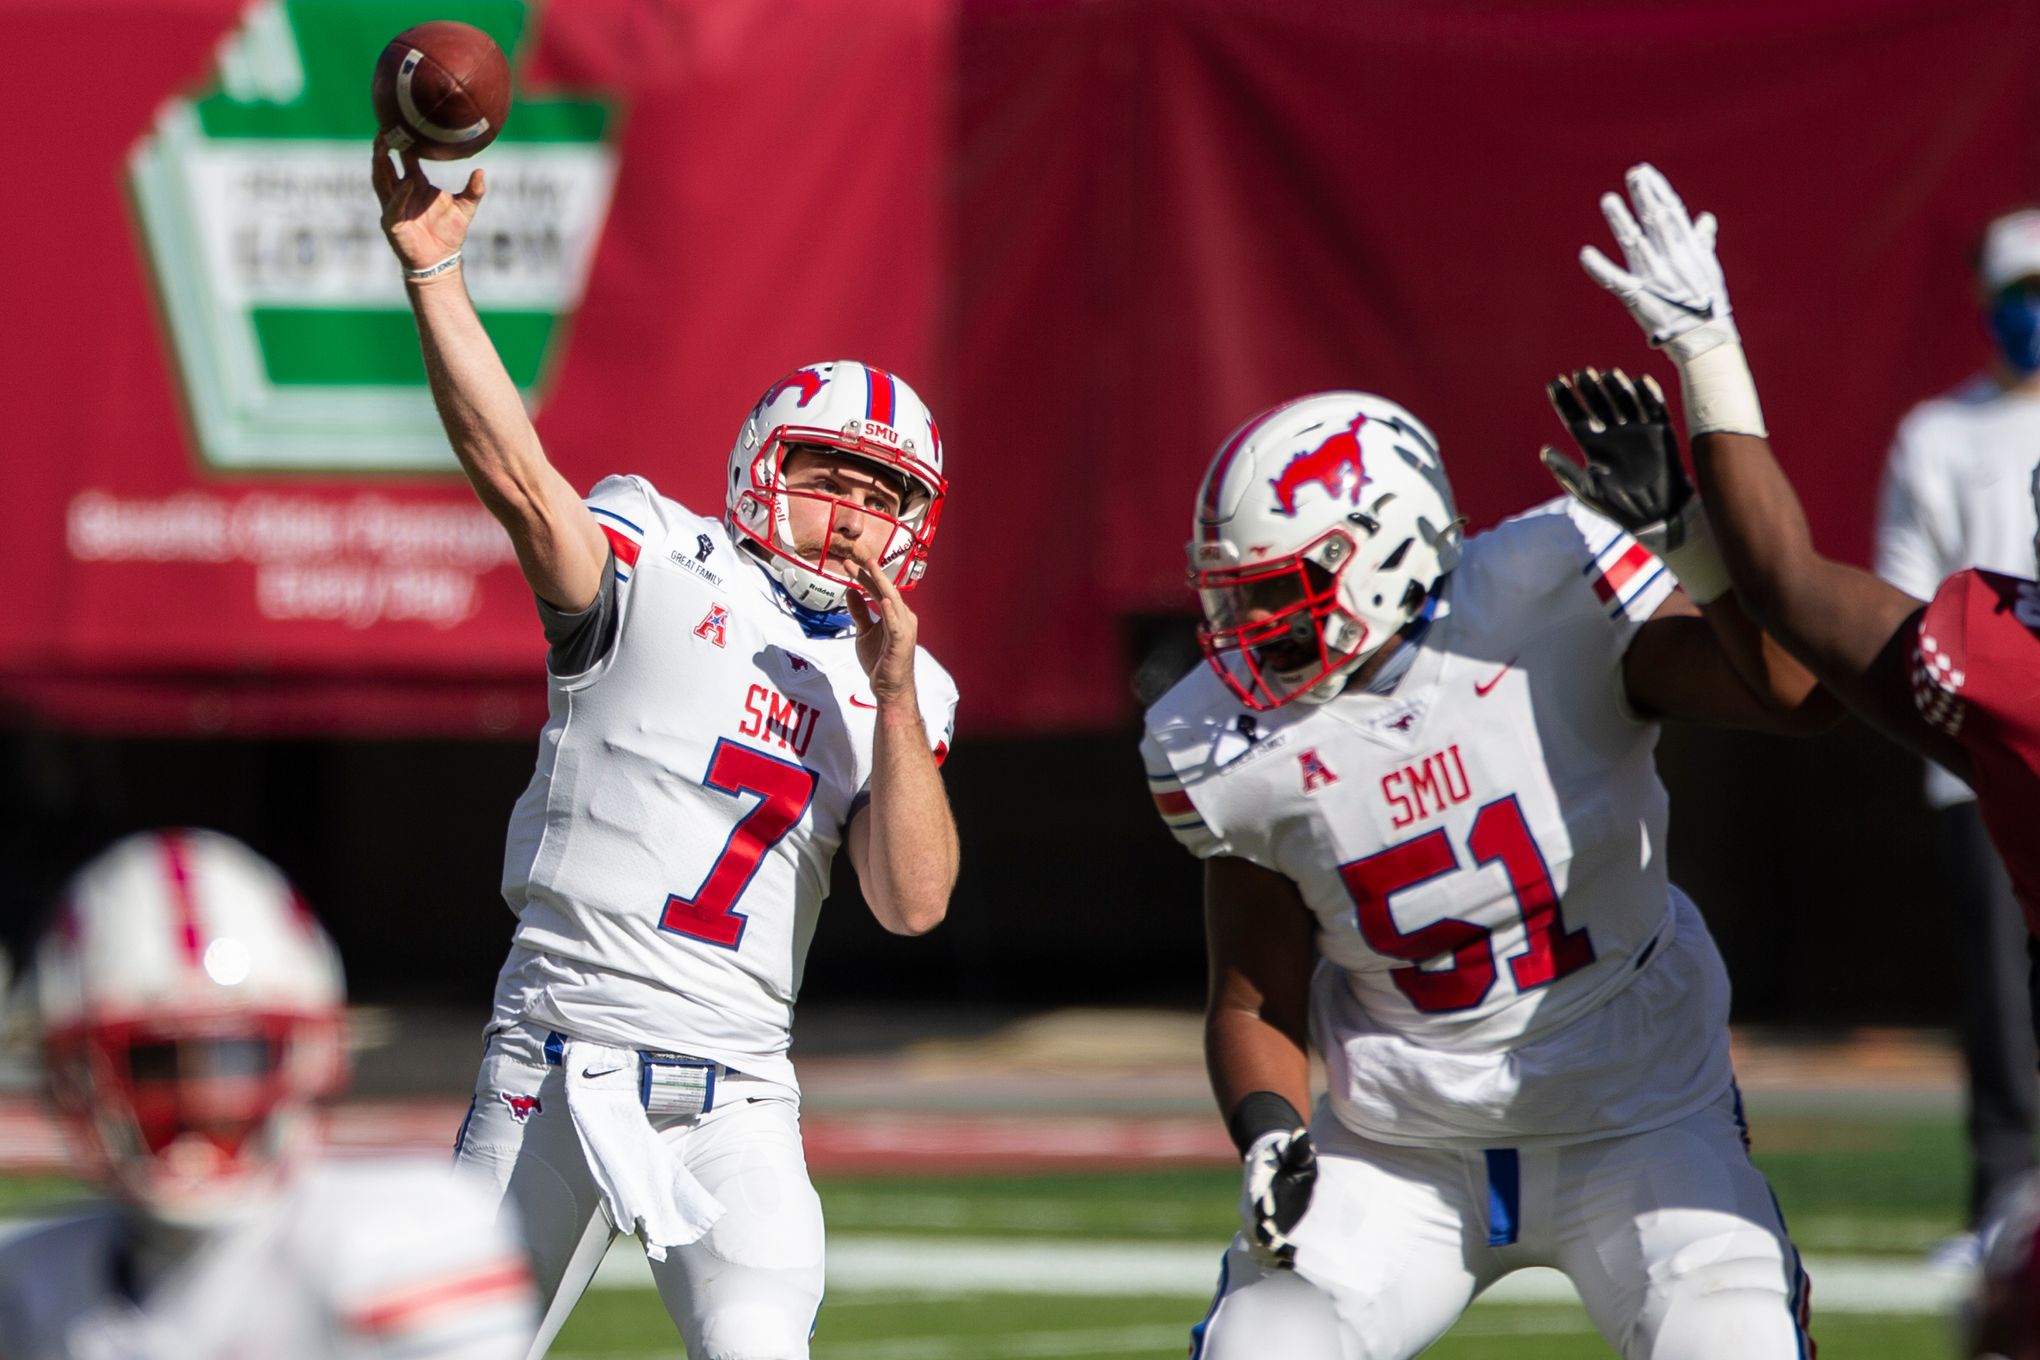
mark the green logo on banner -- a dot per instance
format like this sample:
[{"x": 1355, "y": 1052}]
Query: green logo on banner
[{"x": 294, "y": 343}]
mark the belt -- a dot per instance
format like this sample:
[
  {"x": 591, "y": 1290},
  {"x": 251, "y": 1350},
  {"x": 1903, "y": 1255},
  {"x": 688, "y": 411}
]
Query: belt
[{"x": 649, "y": 1058}]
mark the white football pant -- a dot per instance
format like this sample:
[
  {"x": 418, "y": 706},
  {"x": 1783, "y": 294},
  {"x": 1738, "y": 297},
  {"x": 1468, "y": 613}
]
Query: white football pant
[
  {"x": 749, "y": 1290},
  {"x": 1672, "y": 1238}
]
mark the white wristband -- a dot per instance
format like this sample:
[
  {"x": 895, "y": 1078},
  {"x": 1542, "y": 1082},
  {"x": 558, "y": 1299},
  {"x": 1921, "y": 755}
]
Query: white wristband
[
  {"x": 433, "y": 271},
  {"x": 1696, "y": 562},
  {"x": 1721, "y": 396}
]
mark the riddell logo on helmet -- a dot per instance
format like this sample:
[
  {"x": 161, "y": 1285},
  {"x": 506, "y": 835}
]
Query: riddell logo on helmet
[{"x": 1335, "y": 465}]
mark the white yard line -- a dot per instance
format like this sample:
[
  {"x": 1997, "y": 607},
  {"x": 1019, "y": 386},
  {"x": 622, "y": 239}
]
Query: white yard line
[{"x": 932, "y": 1266}]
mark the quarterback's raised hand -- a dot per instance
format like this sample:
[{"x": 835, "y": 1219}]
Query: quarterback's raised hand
[
  {"x": 1673, "y": 283},
  {"x": 1280, "y": 1172},
  {"x": 886, "y": 633},
  {"x": 426, "y": 226}
]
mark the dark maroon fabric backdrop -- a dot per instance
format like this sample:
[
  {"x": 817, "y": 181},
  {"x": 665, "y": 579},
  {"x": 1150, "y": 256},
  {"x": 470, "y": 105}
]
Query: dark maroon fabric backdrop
[{"x": 1096, "y": 234}]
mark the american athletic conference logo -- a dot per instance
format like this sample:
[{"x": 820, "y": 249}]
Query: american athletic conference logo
[{"x": 286, "y": 312}]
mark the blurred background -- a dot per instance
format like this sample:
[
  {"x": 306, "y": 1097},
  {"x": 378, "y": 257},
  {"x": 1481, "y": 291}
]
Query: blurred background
[{"x": 250, "y": 591}]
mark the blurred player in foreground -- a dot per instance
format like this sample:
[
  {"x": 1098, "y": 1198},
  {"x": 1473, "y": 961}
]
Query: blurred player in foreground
[
  {"x": 190, "y": 1012},
  {"x": 733, "y": 697},
  {"x": 1957, "y": 680},
  {"x": 1428, "y": 763}
]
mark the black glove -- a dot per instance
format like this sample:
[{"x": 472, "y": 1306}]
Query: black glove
[
  {"x": 1633, "y": 474},
  {"x": 1281, "y": 1169}
]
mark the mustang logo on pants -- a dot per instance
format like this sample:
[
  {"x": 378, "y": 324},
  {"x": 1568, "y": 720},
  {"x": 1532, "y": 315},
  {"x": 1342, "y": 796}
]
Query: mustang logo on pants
[{"x": 521, "y": 1107}]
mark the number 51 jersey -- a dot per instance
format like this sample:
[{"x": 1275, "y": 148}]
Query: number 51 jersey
[
  {"x": 668, "y": 861},
  {"x": 1502, "y": 958}
]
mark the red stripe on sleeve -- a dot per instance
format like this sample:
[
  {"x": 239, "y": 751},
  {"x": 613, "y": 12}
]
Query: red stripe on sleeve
[
  {"x": 626, "y": 550},
  {"x": 1175, "y": 804},
  {"x": 1608, "y": 584}
]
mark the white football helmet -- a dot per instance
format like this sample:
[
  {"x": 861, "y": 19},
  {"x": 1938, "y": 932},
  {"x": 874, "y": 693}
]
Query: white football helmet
[
  {"x": 1322, "y": 527},
  {"x": 190, "y": 1010},
  {"x": 850, "y": 408}
]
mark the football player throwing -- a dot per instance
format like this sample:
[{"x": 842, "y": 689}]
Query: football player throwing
[
  {"x": 189, "y": 1009},
  {"x": 733, "y": 697},
  {"x": 1419, "y": 771}
]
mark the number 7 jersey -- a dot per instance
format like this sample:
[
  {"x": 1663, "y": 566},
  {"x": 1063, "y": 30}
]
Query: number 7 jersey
[
  {"x": 668, "y": 861},
  {"x": 1502, "y": 955}
]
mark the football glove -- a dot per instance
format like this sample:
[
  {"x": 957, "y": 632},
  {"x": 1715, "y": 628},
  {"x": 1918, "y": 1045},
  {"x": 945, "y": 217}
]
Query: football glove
[
  {"x": 1673, "y": 284},
  {"x": 1632, "y": 473},
  {"x": 1281, "y": 1168}
]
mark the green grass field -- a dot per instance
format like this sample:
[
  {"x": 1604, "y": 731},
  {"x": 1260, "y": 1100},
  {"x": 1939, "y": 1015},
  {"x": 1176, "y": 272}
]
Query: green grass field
[{"x": 1855, "y": 1184}]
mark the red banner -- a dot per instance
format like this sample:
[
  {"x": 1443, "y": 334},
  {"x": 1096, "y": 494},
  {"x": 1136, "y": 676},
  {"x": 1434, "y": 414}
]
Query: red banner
[{"x": 1096, "y": 235}]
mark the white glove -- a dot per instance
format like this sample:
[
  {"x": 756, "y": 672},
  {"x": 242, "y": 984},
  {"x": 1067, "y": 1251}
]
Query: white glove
[
  {"x": 1674, "y": 288},
  {"x": 1281, "y": 1168},
  {"x": 1673, "y": 285}
]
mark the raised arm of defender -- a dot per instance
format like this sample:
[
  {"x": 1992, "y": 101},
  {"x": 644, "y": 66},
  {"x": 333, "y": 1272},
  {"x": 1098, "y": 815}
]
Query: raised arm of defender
[
  {"x": 1699, "y": 658},
  {"x": 559, "y": 545},
  {"x": 1854, "y": 631}
]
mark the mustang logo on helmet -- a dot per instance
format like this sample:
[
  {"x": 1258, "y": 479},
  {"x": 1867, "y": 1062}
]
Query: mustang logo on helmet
[
  {"x": 1335, "y": 465},
  {"x": 806, "y": 379}
]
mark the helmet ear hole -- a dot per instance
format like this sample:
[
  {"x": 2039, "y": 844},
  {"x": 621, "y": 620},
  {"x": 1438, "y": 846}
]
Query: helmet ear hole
[{"x": 1394, "y": 559}]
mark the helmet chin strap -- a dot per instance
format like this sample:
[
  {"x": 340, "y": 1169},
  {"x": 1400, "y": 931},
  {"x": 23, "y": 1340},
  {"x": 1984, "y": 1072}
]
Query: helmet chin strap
[
  {"x": 814, "y": 620},
  {"x": 807, "y": 589}
]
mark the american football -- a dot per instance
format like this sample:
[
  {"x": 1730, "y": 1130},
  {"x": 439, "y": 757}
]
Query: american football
[{"x": 443, "y": 89}]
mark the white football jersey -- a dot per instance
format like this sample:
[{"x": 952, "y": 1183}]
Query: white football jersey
[
  {"x": 668, "y": 861},
  {"x": 357, "y": 1259},
  {"x": 1483, "y": 847}
]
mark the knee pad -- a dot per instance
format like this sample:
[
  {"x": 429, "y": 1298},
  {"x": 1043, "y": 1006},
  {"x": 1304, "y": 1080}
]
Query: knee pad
[
  {"x": 751, "y": 1331},
  {"x": 1279, "y": 1314},
  {"x": 1739, "y": 1303}
]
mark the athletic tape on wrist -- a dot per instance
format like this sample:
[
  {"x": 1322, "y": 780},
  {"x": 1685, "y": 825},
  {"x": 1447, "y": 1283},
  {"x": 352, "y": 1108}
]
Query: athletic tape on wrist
[
  {"x": 1697, "y": 563},
  {"x": 433, "y": 271},
  {"x": 1721, "y": 396}
]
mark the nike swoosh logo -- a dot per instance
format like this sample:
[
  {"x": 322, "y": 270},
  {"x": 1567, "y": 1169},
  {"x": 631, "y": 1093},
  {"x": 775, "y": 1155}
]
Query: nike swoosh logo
[
  {"x": 1705, "y": 313},
  {"x": 856, "y": 702},
  {"x": 589, "y": 1073},
  {"x": 1480, "y": 690}
]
